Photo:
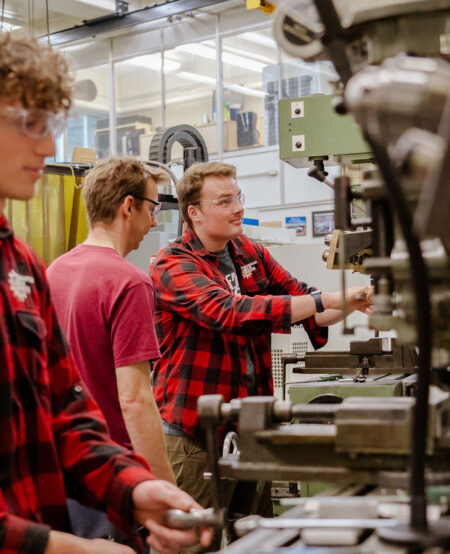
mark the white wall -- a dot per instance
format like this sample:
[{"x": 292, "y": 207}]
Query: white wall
[{"x": 275, "y": 190}]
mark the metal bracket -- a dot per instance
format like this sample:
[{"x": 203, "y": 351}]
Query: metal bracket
[{"x": 121, "y": 7}]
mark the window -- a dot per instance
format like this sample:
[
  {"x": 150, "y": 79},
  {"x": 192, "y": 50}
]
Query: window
[
  {"x": 249, "y": 66},
  {"x": 88, "y": 123},
  {"x": 138, "y": 103},
  {"x": 300, "y": 79},
  {"x": 190, "y": 88}
]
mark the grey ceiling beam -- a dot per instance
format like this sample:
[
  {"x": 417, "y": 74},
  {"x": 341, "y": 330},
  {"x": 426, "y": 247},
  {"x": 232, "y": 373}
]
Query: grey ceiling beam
[{"x": 113, "y": 22}]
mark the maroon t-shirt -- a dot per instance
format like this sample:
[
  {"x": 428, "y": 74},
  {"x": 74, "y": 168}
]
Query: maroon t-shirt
[{"x": 105, "y": 305}]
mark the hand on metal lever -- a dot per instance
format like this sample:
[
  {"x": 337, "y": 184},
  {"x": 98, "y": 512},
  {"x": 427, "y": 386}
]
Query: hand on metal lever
[{"x": 177, "y": 519}]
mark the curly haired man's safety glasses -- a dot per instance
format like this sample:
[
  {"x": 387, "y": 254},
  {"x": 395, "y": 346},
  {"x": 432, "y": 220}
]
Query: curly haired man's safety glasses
[{"x": 35, "y": 122}]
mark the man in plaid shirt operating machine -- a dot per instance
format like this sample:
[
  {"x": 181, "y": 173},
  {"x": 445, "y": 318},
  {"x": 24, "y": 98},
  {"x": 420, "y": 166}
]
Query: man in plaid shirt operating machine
[
  {"x": 219, "y": 296},
  {"x": 54, "y": 440}
]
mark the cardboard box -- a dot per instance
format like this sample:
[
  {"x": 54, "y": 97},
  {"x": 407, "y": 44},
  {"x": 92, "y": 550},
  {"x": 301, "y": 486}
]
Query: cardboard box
[{"x": 209, "y": 134}]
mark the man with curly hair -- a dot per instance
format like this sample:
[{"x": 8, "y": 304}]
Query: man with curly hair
[{"x": 54, "y": 439}]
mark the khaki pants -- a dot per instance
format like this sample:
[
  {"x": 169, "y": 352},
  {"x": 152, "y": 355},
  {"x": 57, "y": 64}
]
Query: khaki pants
[{"x": 189, "y": 461}]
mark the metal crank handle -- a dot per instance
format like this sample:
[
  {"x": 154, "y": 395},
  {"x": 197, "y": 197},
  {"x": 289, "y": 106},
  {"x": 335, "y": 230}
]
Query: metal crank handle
[
  {"x": 251, "y": 523},
  {"x": 177, "y": 519}
]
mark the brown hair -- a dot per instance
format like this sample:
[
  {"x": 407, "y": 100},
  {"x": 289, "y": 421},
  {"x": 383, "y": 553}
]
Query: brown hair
[
  {"x": 111, "y": 180},
  {"x": 33, "y": 75},
  {"x": 189, "y": 187}
]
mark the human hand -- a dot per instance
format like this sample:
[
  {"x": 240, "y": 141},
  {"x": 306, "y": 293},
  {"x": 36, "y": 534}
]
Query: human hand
[
  {"x": 360, "y": 298},
  {"x": 151, "y": 500},
  {"x": 357, "y": 298}
]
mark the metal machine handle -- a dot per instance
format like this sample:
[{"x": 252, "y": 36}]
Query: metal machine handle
[{"x": 177, "y": 519}]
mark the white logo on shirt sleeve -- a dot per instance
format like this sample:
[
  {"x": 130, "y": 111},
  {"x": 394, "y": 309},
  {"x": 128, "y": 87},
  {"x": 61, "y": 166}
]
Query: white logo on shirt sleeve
[{"x": 20, "y": 284}]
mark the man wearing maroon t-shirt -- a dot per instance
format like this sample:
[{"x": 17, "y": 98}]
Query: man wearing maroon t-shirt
[{"x": 106, "y": 305}]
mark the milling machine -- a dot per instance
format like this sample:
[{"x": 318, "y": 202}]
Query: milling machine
[{"x": 389, "y": 457}]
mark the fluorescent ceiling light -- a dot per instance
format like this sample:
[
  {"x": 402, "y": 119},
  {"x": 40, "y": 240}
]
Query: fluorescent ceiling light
[
  {"x": 209, "y": 52},
  {"x": 198, "y": 50},
  {"x": 188, "y": 76},
  {"x": 212, "y": 82},
  {"x": 11, "y": 14},
  {"x": 88, "y": 107},
  {"x": 7, "y": 27},
  {"x": 246, "y": 90},
  {"x": 153, "y": 62},
  {"x": 249, "y": 55},
  {"x": 181, "y": 99},
  {"x": 259, "y": 38},
  {"x": 240, "y": 61},
  {"x": 265, "y": 60}
]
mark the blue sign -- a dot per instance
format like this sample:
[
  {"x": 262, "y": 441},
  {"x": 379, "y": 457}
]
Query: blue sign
[
  {"x": 298, "y": 223},
  {"x": 295, "y": 221}
]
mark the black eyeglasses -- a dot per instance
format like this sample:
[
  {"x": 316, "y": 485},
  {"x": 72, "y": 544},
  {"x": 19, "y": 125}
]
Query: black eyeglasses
[{"x": 157, "y": 205}]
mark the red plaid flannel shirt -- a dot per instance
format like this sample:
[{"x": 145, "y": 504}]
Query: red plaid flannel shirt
[
  {"x": 203, "y": 329},
  {"x": 54, "y": 440}
]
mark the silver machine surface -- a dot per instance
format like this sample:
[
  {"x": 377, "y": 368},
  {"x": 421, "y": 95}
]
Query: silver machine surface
[{"x": 385, "y": 452}]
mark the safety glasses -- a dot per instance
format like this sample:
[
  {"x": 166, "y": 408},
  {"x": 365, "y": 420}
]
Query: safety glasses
[{"x": 35, "y": 122}]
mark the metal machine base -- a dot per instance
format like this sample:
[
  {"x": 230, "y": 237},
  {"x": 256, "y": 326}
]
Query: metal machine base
[{"x": 437, "y": 535}]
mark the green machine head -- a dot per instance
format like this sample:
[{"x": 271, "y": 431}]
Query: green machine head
[{"x": 311, "y": 130}]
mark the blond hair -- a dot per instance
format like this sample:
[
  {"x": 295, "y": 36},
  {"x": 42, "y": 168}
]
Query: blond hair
[
  {"x": 189, "y": 187},
  {"x": 33, "y": 75},
  {"x": 106, "y": 184}
]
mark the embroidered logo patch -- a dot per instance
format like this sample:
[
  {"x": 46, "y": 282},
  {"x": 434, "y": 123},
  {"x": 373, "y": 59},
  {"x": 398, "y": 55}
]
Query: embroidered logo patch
[
  {"x": 248, "y": 269},
  {"x": 233, "y": 283},
  {"x": 19, "y": 284}
]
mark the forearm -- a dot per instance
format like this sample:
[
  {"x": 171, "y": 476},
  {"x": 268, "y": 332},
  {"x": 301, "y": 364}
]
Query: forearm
[
  {"x": 144, "y": 427},
  {"x": 328, "y": 317},
  {"x": 356, "y": 298},
  {"x": 302, "y": 307},
  {"x": 62, "y": 543}
]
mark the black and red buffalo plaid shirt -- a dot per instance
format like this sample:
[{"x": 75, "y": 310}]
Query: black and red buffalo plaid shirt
[
  {"x": 54, "y": 440},
  {"x": 204, "y": 329}
]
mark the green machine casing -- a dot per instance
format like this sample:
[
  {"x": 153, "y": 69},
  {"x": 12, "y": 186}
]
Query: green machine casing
[{"x": 310, "y": 129}]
